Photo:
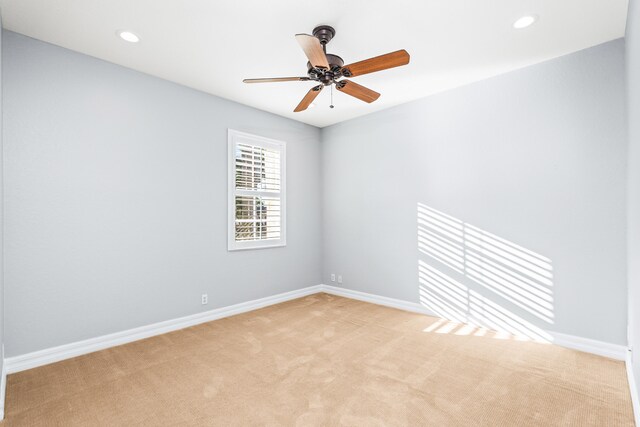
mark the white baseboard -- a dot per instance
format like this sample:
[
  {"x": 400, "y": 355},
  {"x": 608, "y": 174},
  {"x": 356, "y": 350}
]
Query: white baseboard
[
  {"x": 67, "y": 351},
  {"x": 3, "y": 384},
  {"x": 379, "y": 300},
  {"x": 613, "y": 351},
  {"x": 633, "y": 388},
  {"x": 601, "y": 348}
]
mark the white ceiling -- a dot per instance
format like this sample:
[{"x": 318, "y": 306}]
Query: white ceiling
[{"x": 211, "y": 45}]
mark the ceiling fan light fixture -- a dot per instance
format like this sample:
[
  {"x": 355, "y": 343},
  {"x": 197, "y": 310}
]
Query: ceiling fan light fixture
[
  {"x": 128, "y": 36},
  {"x": 525, "y": 21}
]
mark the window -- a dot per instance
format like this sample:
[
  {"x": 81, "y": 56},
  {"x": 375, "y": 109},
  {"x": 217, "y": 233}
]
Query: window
[{"x": 256, "y": 192}]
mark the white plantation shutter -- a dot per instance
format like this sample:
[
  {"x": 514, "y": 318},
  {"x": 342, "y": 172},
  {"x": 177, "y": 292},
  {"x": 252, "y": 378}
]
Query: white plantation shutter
[{"x": 256, "y": 191}]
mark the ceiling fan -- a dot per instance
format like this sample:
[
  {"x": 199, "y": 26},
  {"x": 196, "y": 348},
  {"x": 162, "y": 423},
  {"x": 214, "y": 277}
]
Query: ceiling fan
[{"x": 328, "y": 69}]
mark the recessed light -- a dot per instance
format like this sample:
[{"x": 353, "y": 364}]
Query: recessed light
[
  {"x": 525, "y": 21},
  {"x": 128, "y": 36}
]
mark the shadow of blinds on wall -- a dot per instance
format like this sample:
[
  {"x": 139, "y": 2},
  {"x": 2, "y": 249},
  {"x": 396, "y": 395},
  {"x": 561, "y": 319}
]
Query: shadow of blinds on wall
[{"x": 507, "y": 274}]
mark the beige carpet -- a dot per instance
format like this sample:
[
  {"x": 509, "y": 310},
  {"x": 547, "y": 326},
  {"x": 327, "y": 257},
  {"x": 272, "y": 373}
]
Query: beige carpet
[{"x": 323, "y": 361}]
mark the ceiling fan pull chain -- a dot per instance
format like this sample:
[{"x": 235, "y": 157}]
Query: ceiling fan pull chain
[{"x": 331, "y": 106}]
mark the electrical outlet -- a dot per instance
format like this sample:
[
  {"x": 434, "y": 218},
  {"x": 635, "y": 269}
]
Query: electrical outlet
[
  {"x": 205, "y": 299},
  {"x": 339, "y": 278},
  {"x": 333, "y": 277}
]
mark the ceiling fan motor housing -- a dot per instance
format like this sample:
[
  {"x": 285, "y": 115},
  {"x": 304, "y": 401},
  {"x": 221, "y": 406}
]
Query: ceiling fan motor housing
[{"x": 326, "y": 76}]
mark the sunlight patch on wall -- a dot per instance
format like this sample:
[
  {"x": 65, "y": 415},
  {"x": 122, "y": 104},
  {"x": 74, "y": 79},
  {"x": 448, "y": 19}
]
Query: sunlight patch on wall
[
  {"x": 441, "y": 237},
  {"x": 467, "y": 311},
  {"x": 517, "y": 274}
]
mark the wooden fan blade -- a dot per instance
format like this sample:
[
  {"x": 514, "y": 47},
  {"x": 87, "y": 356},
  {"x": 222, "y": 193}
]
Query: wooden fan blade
[
  {"x": 357, "y": 91},
  {"x": 379, "y": 63},
  {"x": 308, "y": 98},
  {"x": 313, "y": 49},
  {"x": 277, "y": 79}
]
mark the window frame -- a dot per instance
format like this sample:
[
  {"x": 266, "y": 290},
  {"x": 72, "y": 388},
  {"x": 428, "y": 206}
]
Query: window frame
[{"x": 234, "y": 137}]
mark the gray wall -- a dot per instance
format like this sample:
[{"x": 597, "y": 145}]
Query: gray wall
[
  {"x": 633, "y": 110},
  {"x": 1, "y": 218},
  {"x": 533, "y": 162},
  {"x": 115, "y": 200},
  {"x": 116, "y": 195}
]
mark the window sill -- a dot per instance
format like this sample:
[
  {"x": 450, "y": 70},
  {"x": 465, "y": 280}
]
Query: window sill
[{"x": 241, "y": 247}]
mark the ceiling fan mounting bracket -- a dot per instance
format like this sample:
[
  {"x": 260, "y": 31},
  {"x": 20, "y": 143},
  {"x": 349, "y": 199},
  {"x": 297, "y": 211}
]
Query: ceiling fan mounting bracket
[{"x": 324, "y": 33}]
